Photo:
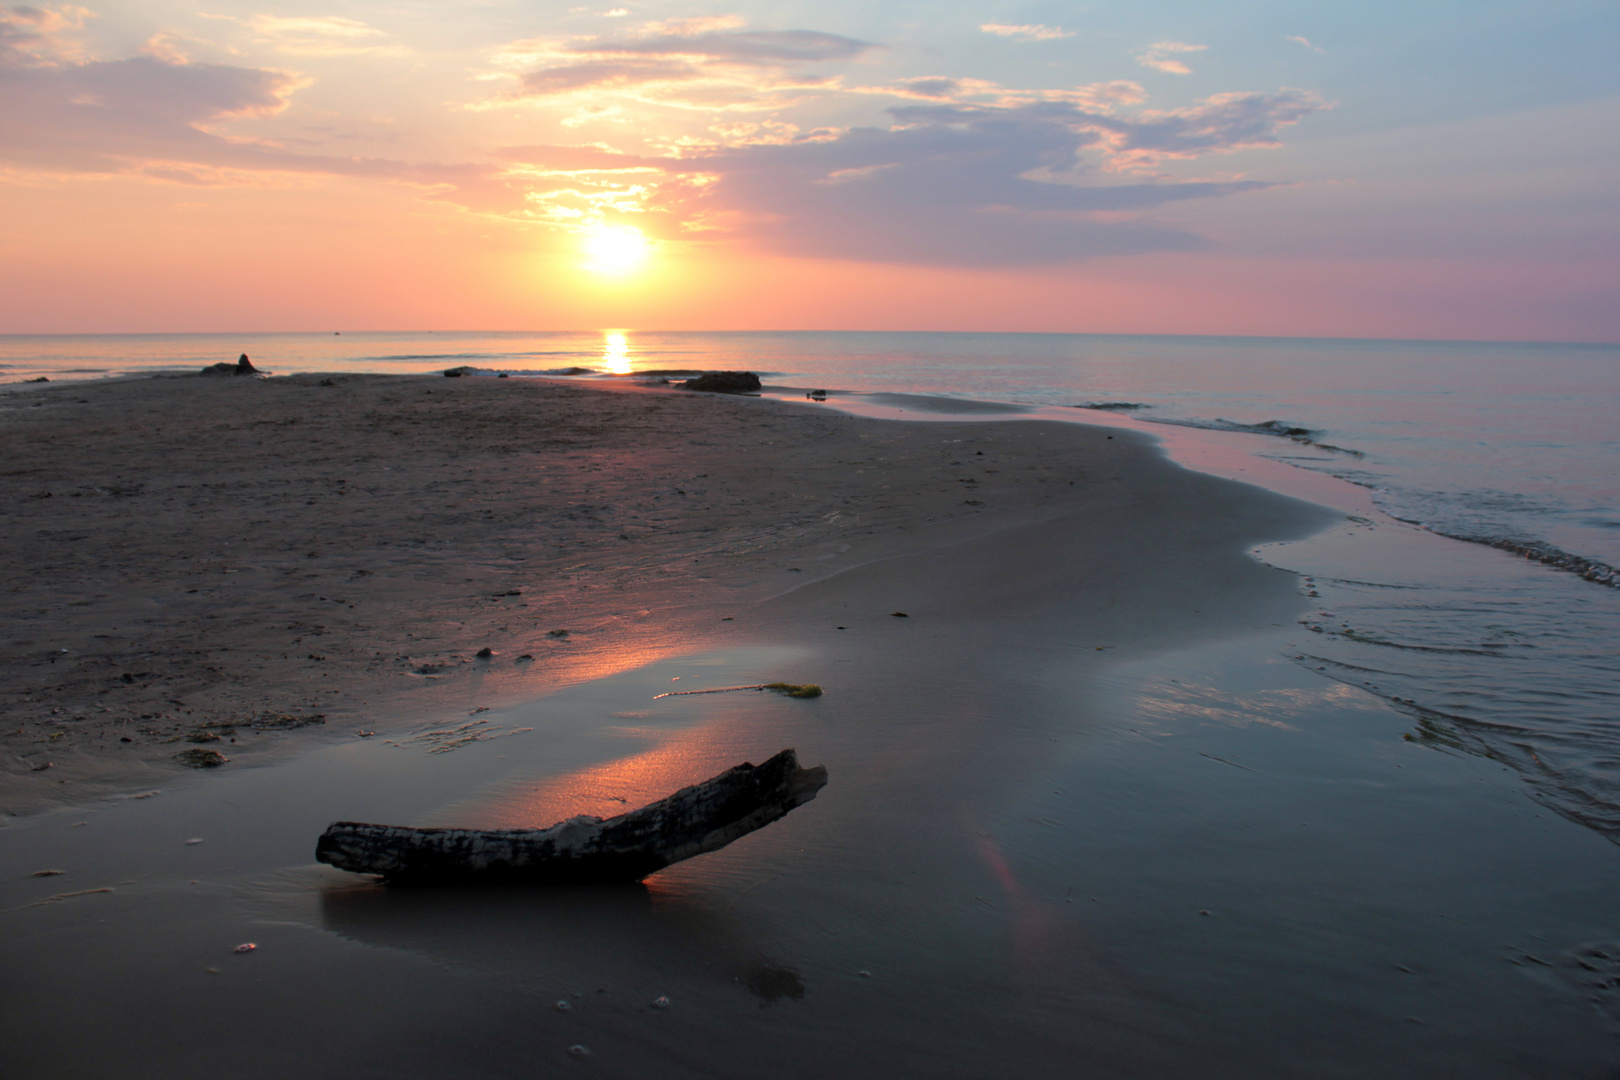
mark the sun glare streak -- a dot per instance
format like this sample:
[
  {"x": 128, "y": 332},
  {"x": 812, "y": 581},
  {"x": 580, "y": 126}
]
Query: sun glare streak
[
  {"x": 616, "y": 352},
  {"x": 615, "y": 250}
]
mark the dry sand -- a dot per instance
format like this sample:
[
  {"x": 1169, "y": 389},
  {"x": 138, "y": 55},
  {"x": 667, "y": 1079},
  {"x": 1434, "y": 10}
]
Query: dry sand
[{"x": 192, "y": 557}]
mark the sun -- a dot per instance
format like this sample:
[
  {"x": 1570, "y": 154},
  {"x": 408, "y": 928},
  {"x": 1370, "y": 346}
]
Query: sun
[{"x": 615, "y": 249}]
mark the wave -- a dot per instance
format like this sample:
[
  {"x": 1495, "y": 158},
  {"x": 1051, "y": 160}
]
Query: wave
[
  {"x": 1276, "y": 428},
  {"x": 1304, "y": 436},
  {"x": 1593, "y": 570}
]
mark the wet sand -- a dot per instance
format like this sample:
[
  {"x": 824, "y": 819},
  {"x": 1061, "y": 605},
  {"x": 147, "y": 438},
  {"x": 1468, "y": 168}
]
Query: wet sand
[{"x": 1084, "y": 818}]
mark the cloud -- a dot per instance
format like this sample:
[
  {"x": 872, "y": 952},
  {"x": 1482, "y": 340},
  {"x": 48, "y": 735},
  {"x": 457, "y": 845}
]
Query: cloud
[
  {"x": 94, "y": 116},
  {"x": 1157, "y": 56},
  {"x": 616, "y": 13},
  {"x": 964, "y": 172},
  {"x": 35, "y": 35},
  {"x": 1033, "y": 32},
  {"x": 708, "y": 63},
  {"x": 324, "y": 35},
  {"x": 1221, "y": 124},
  {"x": 1296, "y": 39},
  {"x": 947, "y": 183}
]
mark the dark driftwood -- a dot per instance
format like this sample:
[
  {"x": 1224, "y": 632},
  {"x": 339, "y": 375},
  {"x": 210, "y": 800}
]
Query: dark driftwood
[{"x": 701, "y": 818}]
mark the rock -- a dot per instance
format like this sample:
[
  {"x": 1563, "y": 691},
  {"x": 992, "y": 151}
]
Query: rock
[
  {"x": 457, "y": 372},
  {"x": 724, "y": 382},
  {"x": 40, "y": 379},
  {"x": 243, "y": 366},
  {"x": 201, "y": 759},
  {"x": 485, "y": 653}
]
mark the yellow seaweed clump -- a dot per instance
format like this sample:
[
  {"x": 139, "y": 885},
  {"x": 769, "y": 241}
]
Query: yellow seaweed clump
[{"x": 795, "y": 689}]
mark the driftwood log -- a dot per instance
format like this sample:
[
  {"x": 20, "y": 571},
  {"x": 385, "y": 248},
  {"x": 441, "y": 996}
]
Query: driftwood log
[{"x": 702, "y": 818}]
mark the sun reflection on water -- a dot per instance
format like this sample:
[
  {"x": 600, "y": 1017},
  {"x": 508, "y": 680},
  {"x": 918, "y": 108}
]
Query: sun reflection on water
[
  {"x": 615, "y": 787},
  {"x": 616, "y": 352}
]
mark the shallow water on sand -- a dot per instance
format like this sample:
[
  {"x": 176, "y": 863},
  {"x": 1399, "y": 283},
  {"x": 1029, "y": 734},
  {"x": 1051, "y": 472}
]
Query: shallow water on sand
[{"x": 1206, "y": 861}]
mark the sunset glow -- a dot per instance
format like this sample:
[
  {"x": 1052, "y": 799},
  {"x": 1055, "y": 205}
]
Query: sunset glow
[
  {"x": 615, "y": 250},
  {"x": 615, "y": 352},
  {"x": 842, "y": 167}
]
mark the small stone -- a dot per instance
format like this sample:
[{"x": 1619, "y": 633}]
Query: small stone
[
  {"x": 660, "y": 1002},
  {"x": 245, "y": 947},
  {"x": 899, "y": 614},
  {"x": 485, "y": 653},
  {"x": 563, "y": 1005},
  {"x": 47, "y": 873},
  {"x": 863, "y": 973},
  {"x": 194, "y": 840},
  {"x": 42, "y": 766},
  {"x": 579, "y": 1051}
]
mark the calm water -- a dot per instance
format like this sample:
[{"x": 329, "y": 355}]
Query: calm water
[{"x": 1512, "y": 445}]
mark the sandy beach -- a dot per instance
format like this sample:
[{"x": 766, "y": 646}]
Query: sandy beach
[
  {"x": 198, "y": 557},
  {"x": 1057, "y": 839}
]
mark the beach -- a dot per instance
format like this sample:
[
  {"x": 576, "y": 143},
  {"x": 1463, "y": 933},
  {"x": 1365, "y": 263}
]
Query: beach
[
  {"x": 197, "y": 555},
  {"x": 1084, "y": 816}
]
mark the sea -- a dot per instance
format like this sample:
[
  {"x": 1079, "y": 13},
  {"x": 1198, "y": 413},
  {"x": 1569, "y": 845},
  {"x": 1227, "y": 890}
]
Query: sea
[{"x": 1479, "y": 595}]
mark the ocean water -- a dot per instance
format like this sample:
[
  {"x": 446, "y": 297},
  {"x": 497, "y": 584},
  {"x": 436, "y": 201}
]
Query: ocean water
[{"x": 1485, "y": 604}]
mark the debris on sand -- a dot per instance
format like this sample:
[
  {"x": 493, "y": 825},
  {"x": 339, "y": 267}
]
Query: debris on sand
[
  {"x": 201, "y": 759},
  {"x": 284, "y": 721},
  {"x": 695, "y": 820},
  {"x": 243, "y": 366},
  {"x": 724, "y": 382},
  {"x": 799, "y": 690}
]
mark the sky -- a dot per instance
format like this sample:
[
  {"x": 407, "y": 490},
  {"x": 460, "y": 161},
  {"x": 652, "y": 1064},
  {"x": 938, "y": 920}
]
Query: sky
[{"x": 1443, "y": 169}]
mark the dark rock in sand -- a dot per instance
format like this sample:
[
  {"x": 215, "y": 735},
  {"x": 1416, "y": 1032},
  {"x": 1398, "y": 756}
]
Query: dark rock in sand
[
  {"x": 40, "y": 379},
  {"x": 485, "y": 653},
  {"x": 724, "y": 382},
  {"x": 243, "y": 366},
  {"x": 201, "y": 759}
]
